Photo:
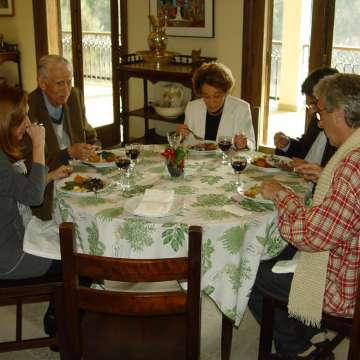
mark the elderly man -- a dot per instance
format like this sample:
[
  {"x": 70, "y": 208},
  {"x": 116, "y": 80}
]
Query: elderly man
[
  {"x": 60, "y": 107},
  {"x": 327, "y": 233}
]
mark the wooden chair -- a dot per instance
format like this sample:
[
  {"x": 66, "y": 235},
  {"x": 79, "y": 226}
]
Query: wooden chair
[
  {"x": 105, "y": 324},
  {"x": 27, "y": 291},
  {"x": 344, "y": 327}
]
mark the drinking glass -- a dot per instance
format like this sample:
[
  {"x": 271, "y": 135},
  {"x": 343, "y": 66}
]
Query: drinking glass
[
  {"x": 174, "y": 139},
  {"x": 238, "y": 163},
  {"x": 225, "y": 143},
  {"x": 123, "y": 164},
  {"x": 132, "y": 151}
]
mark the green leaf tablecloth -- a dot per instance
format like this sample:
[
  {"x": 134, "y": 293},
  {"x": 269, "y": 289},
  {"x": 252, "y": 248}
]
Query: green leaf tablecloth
[{"x": 237, "y": 234}]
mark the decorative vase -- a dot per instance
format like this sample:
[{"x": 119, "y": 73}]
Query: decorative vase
[
  {"x": 157, "y": 40},
  {"x": 175, "y": 170}
]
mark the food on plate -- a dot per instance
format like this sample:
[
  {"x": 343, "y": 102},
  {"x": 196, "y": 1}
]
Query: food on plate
[
  {"x": 282, "y": 163},
  {"x": 102, "y": 156},
  {"x": 261, "y": 161},
  {"x": 204, "y": 146},
  {"x": 83, "y": 184},
  {"x": 253, "y": 191}
]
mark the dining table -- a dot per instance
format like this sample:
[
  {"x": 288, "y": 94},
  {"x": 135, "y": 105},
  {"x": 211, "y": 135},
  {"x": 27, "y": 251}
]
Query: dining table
[{"x": 238, "y": 231}]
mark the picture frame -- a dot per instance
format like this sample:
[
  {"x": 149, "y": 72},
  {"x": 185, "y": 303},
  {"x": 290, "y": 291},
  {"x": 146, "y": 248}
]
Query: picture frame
[
  {"x": 6, "y": 7},
  {"x": 188, "y": 18}
]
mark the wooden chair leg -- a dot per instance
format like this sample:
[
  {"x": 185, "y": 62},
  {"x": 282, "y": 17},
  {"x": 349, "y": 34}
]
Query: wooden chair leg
[
  {"x": 266, "y": 333},
  {"x": 226, "y": 337},
  {"x": 18, "y": 321}
]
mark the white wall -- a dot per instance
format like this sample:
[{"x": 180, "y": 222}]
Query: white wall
[
  {"x": 19, "y": 29},
  {"x": 226, "y": 45}
]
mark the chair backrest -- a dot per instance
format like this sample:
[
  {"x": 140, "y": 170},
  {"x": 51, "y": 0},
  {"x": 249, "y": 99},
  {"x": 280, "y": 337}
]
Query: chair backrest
[
  {"x": 129, "y": 307},
  {"x": 27, "y": 291}
]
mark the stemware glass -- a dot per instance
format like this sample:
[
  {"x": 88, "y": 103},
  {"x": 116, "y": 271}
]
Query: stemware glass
[
  {"x": 225, "y": 143},
  {"x": 174, "y": 139},
  {"x": 123, "y": 164},
  {"x": 132, "y": 151},
  {"x": 238, "y": 163}
]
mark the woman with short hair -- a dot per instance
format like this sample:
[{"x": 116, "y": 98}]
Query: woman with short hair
[{"x": 217, "y": 113}]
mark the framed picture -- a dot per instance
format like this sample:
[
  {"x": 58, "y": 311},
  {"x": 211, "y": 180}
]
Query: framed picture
[
  {"x": 193, "y": 18},
  {"x": 6, "y": 7}
]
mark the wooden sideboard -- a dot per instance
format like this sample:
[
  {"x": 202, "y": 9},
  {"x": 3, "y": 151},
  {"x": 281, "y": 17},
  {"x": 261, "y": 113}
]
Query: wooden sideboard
[
  {"x": 12, "y": 54},
  {"x": 180, "y": 71}
]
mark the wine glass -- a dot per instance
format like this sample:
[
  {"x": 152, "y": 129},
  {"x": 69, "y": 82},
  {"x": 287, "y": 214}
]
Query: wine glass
[
  {"x": 238, "y": 163},
  {"x": 174, "y": 139},
  {"x": 225, "y": 143},
  {"x": 132, "y": 151},
  {"x": 123, "y": 164}
]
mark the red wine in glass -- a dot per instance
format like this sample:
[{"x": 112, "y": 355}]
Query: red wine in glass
[
  {"x": 132, "y": 153},
  {"x": 224, "y": 145},
  {"x": 238, "y": 165},
  {"x": 123, "y": 163}
]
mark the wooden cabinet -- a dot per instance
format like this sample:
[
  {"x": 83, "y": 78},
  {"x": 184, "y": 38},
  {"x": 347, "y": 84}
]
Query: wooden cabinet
[
  {"x": 132, "y": 65},
  {"x": 10, "y": 53}
]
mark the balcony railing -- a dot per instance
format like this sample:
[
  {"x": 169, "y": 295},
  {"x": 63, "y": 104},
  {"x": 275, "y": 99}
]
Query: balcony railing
[
  {"x": 96, "y": 53},
  {"x": 344, "y": 58}
]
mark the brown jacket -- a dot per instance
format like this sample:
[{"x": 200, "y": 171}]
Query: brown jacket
[{"x": 75, "y": 124}]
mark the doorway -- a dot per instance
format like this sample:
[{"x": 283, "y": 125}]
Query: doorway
[
  {"x": 93, "y": 35},
  {"x": 325, "y": 31}
]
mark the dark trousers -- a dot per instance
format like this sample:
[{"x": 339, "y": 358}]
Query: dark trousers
[{"x": 291, "y": 336}]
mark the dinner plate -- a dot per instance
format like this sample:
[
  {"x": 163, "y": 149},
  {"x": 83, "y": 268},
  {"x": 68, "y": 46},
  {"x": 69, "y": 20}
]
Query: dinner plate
[
  {"x": 258, "y": 197},
  {"x": 132, "y": 203},
  {"x": 281, "y": 162},
  {"x": 100, "y": 164},
  {"x": 61, "y": 183},
  {"x": 262, "y": 168},
  {"x": 203, "y": 152}
]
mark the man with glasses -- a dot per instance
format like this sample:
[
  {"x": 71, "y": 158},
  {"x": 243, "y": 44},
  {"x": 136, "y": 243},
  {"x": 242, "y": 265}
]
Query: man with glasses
[
  {"x": 313, "y": 146},
  {"x": 327, "y": 233},
  {"x": 60, "y": 108}
]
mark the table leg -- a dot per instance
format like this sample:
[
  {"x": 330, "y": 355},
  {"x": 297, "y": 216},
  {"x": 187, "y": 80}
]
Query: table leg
[{"x": 226, "y": 337}]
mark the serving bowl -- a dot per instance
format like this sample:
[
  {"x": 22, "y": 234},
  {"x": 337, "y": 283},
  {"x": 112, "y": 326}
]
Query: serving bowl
[{"x": 168, "y": 112}]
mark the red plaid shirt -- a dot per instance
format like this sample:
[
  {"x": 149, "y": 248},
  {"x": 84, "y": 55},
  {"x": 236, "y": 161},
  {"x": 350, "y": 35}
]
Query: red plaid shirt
[{"x": 335, "y": 226}]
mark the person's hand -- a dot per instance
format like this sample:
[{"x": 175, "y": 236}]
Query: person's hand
[
  {"x": 81, "y": 151},
  {"x": 269, "y": 189},
  {"x": 183, "y": 129},
  {"x": 36, "y": 133},
  {"x": 297, "y": 162},
  {"x": 59, "y": 173},
  {"x": 240, "y": 141},
  {"x": 281, "y": 140},
  {"x": 309, "y": 171}
]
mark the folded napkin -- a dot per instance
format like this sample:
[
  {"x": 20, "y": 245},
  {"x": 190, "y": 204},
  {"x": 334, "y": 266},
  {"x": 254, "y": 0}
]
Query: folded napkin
[
  {"x": 155, "y": 203},
  {"x": 41, "y": 238},
  {"x": 286, "y": 266}
]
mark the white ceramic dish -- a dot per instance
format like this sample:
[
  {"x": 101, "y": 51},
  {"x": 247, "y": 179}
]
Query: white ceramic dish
[
  {"x": 281, "y": 162},
  {"x": 258, "y": 197},
  {"x": 168, "y": 112},
  {"x": 132, "y": 203},
  {"x": 61, "y": 183},
  {"x": 261, "y": 168}
]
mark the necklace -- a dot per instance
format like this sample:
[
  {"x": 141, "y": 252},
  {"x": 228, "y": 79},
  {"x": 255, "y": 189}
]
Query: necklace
[{"x": 216, "y": 113}]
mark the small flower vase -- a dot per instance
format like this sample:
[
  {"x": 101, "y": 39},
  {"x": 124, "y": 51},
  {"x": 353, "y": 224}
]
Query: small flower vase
[{"x": 175, "y": 170}]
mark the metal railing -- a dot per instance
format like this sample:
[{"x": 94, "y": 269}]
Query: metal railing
[
  {"x": 96, "y": 53},
  {"x": 344, "y": 58}
]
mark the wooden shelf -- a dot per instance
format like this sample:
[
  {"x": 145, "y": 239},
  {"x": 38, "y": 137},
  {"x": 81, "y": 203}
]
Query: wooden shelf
[{"x": 154, "y": 116}]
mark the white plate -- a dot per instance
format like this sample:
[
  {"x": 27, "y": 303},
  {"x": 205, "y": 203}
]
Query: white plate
[
  {"x": 61, "y": 183},
  {"x": 258, "y": 197},
  {"x": 100, "y": 164},
  {"x": 281, "y": 162},
  {"x": 132, "y": 203},
  {"x": 261, "y": 168},
  {"x": 203, "y": 152}
]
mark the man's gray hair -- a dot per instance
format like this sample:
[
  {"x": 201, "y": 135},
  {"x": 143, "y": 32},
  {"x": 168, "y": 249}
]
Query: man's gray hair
[
  {"x": 48, "y": 61},
  {"x": 341, "y": 91}
]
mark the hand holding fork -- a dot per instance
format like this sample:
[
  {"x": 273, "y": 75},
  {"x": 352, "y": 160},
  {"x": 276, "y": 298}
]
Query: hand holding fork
[{"x": 185, "y": 131}]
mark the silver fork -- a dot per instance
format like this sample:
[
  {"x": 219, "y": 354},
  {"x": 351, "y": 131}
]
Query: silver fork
[{"x": 197, "y": 137}]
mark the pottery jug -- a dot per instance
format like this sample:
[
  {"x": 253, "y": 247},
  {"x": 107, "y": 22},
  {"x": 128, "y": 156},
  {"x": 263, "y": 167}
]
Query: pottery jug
[{"x": 173, "y": 95}]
